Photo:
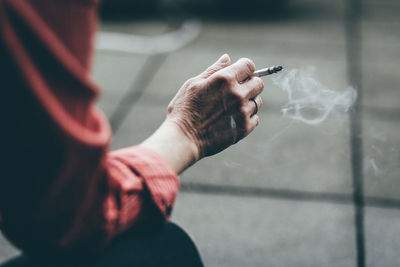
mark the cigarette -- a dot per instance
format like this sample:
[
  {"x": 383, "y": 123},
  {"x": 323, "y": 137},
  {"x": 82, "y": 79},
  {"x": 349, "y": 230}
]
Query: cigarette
[{"x": 267, "y": 71}]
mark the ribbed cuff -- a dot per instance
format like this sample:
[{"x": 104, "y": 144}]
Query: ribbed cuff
[{"x": 159, "y": 178}]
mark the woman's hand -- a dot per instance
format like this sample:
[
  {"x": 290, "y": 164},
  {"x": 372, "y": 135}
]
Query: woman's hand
[
  {"x": 214, "y": 109},
  {"x": 209, "y": 113}
]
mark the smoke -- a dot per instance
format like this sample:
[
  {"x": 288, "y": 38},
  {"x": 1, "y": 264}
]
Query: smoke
[
  {"x": 309, "y": 101},
  {"x": 371, "y": 165}
]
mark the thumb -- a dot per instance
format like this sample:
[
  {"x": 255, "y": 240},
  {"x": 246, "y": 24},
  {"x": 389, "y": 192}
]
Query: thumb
[{"x": 223, "y": 62}]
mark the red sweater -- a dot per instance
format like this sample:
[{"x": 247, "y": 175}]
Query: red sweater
[{"x": 59, "y": 185}]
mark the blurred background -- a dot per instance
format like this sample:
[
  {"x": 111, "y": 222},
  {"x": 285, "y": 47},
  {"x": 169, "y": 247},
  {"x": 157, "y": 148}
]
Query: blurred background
[{"x": 290, "y": 194}]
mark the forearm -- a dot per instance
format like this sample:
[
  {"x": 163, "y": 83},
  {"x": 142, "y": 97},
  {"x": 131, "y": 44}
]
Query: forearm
[{"x": 173, "y": 146}]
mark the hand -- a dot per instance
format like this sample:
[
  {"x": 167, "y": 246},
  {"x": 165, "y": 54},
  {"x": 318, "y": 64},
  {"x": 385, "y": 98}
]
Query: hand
[
  {"x": 213, "y": 110},
  {"x": 209, "y": 113}
]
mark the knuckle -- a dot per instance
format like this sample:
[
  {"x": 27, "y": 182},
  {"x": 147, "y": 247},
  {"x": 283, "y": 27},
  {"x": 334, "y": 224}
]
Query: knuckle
[
  {"x": 259, "y": 82},
  {"x": 229, "y": 76},
  {"x": 225, "y": 78},
  {"x": 189, "y": 82},
  {"x": 212, "y": 69},
  {"x": 244, "y": 109},
  {"x": 194, "y": 85},
  {"x": 239, "y": 95},
  {"x": 248, "y": 63}
]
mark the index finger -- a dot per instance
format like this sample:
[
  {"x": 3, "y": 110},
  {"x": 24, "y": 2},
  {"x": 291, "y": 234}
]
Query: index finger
[{"x": 243, "y": 68}]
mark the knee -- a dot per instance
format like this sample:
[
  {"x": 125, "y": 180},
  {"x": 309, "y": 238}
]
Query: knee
[{"x": 178, "y": 238}]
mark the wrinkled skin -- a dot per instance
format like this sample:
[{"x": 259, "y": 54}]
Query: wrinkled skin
[{"x": 213, "y": 109}]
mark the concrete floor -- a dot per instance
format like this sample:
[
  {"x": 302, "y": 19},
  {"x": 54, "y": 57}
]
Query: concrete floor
[{"x": 284, "y": 195}]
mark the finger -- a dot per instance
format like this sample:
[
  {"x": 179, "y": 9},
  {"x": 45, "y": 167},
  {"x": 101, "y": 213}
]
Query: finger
[
  {"x": 253, "y": 122},
  {"x": 256, "y": 105},
  {"x": 223, "y": 62},
  {"x": 252, "y": 106},
  {"x": 254, "y": 86},
  {"x": 243, "y": 68}
]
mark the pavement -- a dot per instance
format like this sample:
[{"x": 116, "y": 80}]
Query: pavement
[{"x": 290, "y": 194}]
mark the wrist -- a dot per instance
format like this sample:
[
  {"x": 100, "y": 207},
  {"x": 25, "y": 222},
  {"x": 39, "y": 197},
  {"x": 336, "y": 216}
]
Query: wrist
[
  {"x": 181, "y": 138},
  {"x": 171, "y": 143}
]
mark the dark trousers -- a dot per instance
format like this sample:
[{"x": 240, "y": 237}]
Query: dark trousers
[{"x": 168, "y": 246}]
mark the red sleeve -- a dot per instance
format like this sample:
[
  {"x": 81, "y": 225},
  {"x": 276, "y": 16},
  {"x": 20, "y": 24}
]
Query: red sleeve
[{"x": 60, "y": 187}]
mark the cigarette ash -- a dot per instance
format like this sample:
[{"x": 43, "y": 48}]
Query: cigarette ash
[{"x": 309, "y": 101}]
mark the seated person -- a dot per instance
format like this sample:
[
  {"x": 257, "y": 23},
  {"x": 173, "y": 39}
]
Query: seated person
[{"x": 62, "y": 193}]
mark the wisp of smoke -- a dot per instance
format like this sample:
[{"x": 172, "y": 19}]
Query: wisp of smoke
[{"x": 309, "y": 101}]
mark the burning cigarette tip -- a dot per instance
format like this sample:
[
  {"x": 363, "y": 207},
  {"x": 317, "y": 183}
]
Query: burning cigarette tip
[{"x": 267, "y": 71}]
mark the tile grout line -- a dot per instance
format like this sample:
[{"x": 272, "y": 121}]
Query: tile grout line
[
  {"x": 285, "y": 194},
  {"x": 353, "y": 49}
]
